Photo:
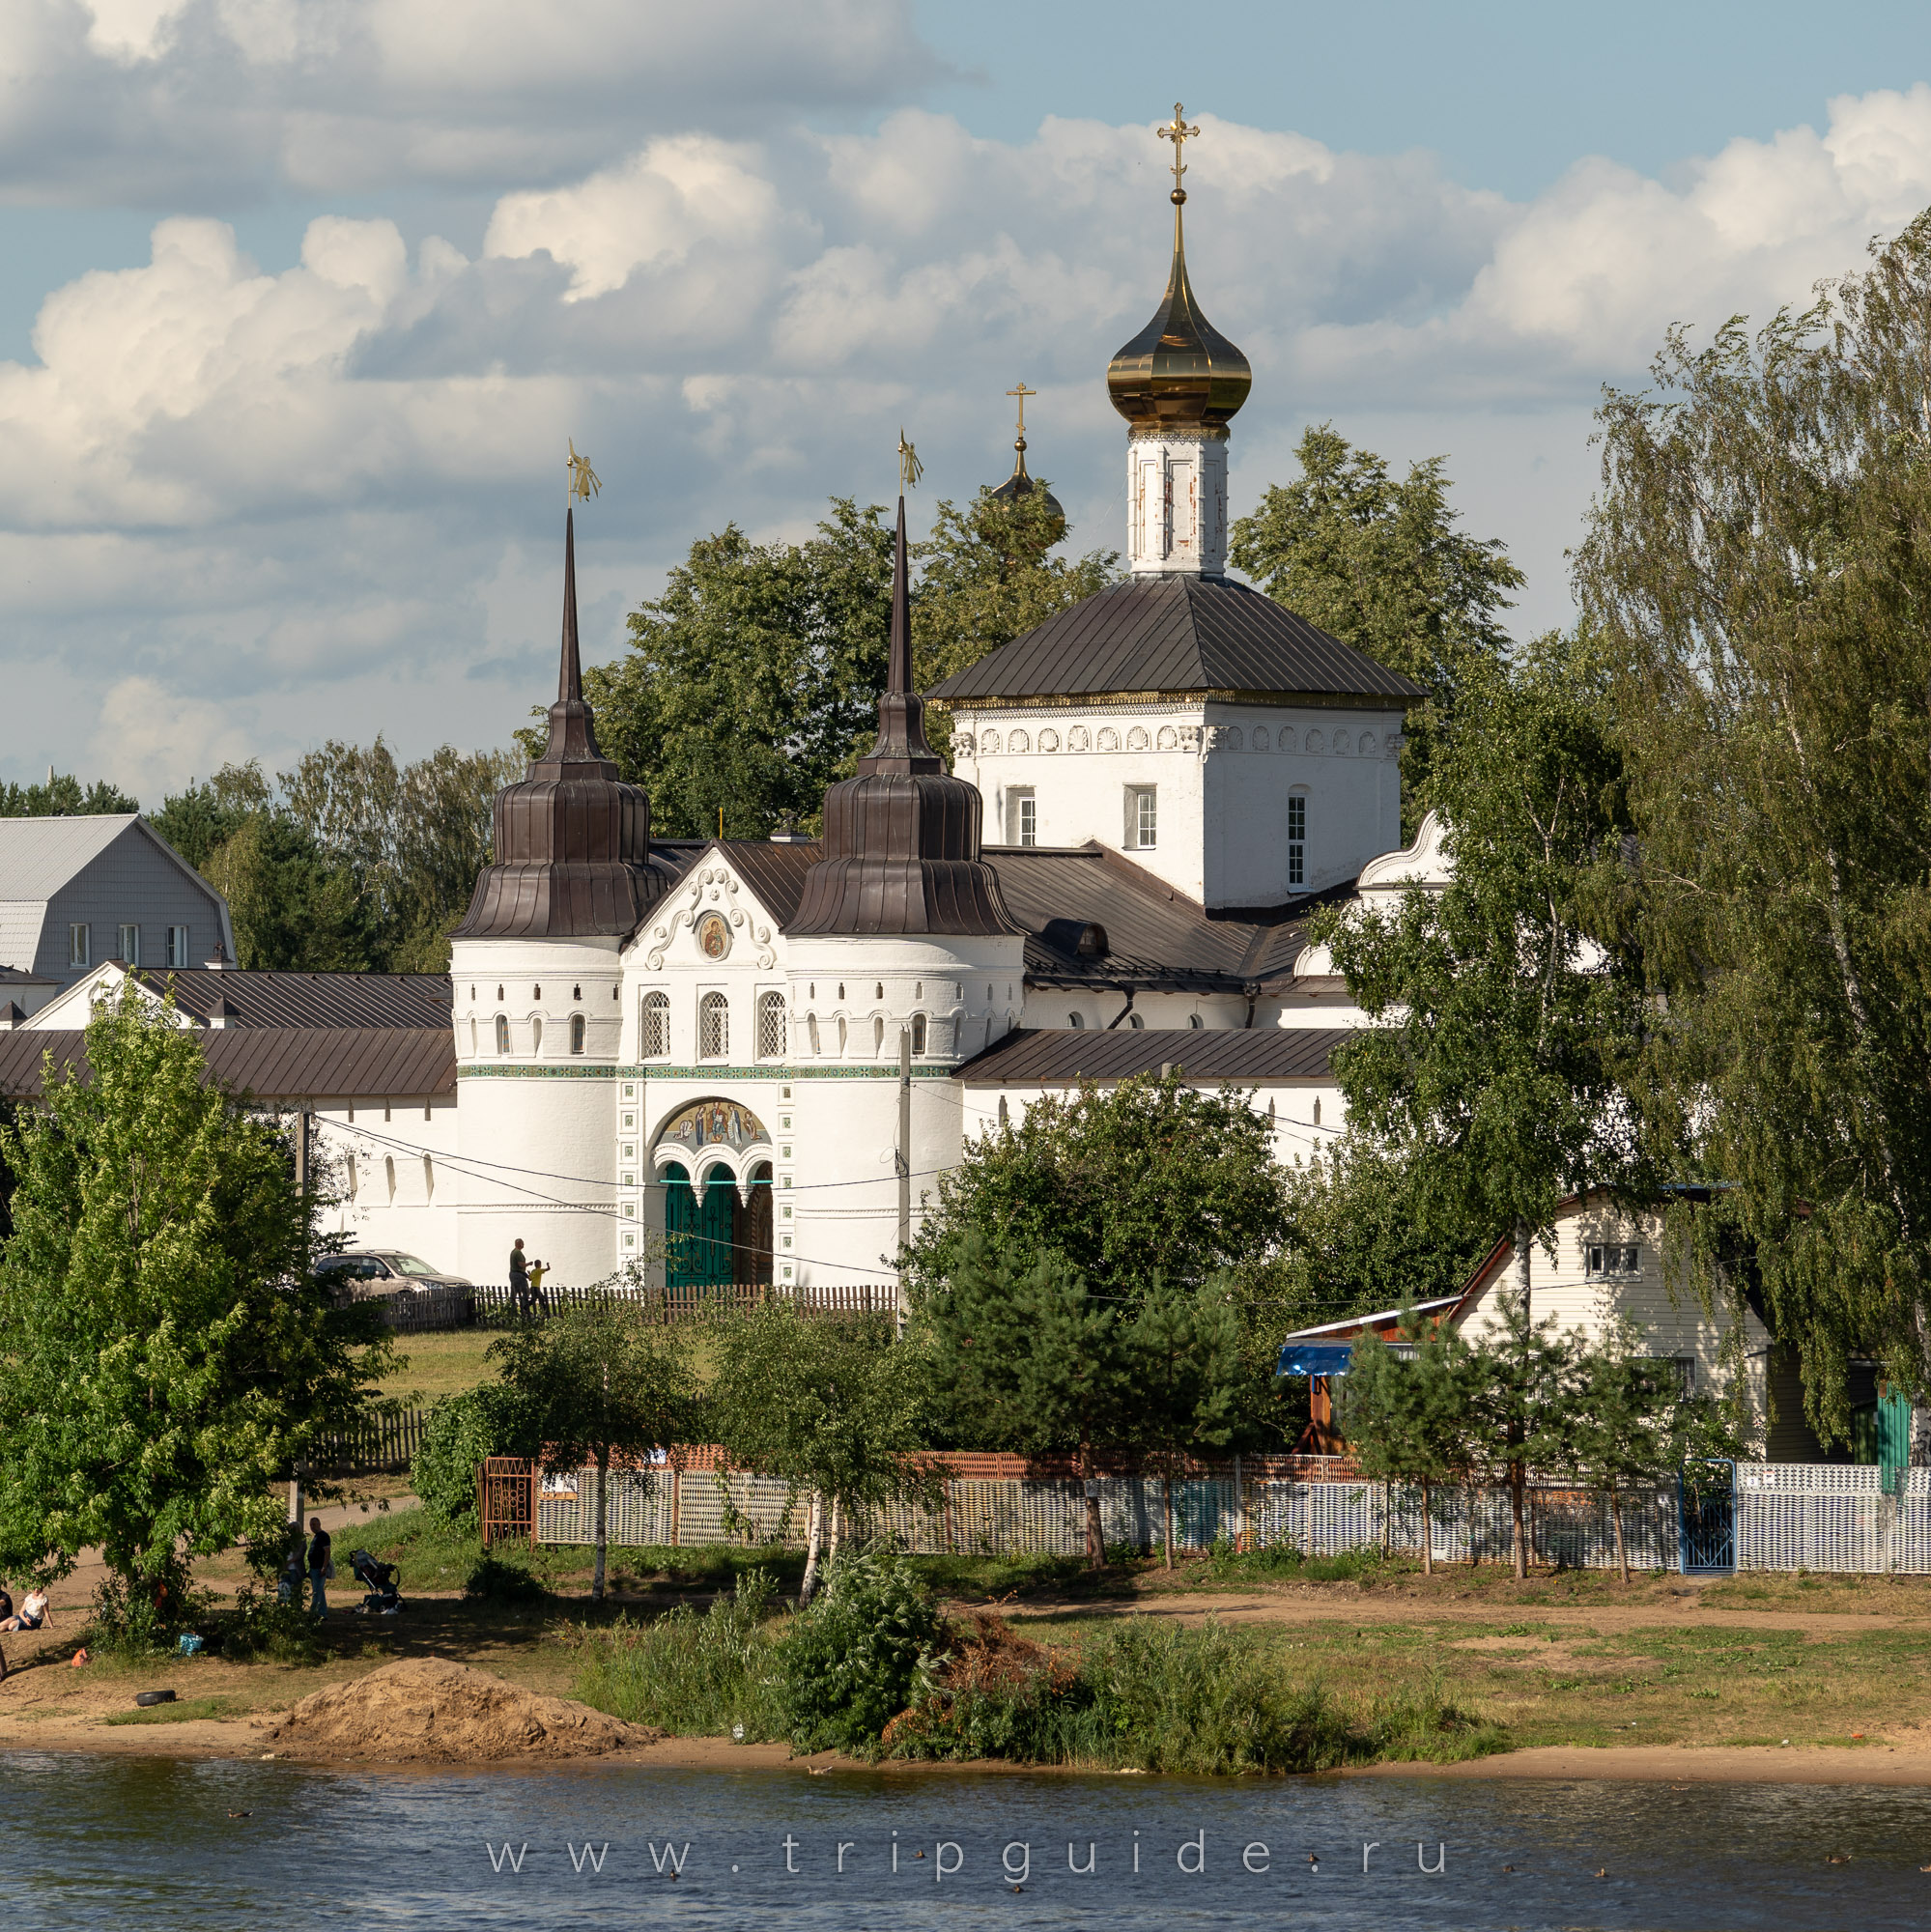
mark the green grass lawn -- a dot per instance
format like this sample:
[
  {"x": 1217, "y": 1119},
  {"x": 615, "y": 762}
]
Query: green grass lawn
[{"x": 443, "y": 1363}]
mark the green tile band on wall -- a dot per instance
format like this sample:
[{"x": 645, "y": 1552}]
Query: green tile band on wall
[{"x": 710, "y": 1070}]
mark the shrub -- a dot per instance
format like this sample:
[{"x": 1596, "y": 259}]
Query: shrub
[
  {"x": 262, "y": 1626},
  {"x": 458, "y": 1434},
  {"x": 855, "y": 1659},
  {"x": 497, "y": 1582},
  {"x": 689, "y": 1674}
]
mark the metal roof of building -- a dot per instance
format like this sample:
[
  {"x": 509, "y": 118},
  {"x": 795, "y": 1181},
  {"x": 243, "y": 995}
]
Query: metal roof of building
[
  {"x": 275, "y": 1063},
  {"x": 1155, "y": 937},
  {"x": 1176, "y": 636},
  {"x": 1060, "y": 1057},
  {"x": 38, "y": 856},
  {"x": 328, "y": 1000}
]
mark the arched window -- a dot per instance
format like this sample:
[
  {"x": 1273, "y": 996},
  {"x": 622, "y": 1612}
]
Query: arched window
[
  {"x": 877, "y": 1035},
  {"x": 713, "y": 1027},
  {"x": 473, "y": 1047},
  {"x": 917, "y": 1033},
  {"x": 389, "y": 1174},
  {"x": 355, "y": 1179},
  {"x": 1195, "y": 1021},
  {"x": 1077, "y": 1021},
  {"x": 502, "y": 1033},
  {"x": 1134, "y": 1021},
  {"x": 576, "y": 1033},
  {"x": 428, "y": 1179},
  {"x": 1317, "y": 1110},
  {"x": 771, "y": 1026},
  {"x": 841, "y": 1035},
  {"x": 654, "y": 1031},
  {"x": 536, "y": 1035},
  {"x": 811, "y": 1032}
]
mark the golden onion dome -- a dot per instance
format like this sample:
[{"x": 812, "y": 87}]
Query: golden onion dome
[{"x": 1180, "y": 369}]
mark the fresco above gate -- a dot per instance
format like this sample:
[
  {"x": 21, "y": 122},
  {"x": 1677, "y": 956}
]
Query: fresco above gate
[{"x": 713, "y": 1123}]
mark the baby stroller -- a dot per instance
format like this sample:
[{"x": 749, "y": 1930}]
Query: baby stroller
[{"x": 380, "y": 1580}]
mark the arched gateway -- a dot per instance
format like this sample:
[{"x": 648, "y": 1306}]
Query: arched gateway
[{"x": 714, "y": 1159}]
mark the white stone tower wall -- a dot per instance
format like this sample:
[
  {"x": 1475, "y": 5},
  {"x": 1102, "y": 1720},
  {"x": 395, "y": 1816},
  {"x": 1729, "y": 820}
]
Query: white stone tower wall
[{"x": 1177, "y": 501}]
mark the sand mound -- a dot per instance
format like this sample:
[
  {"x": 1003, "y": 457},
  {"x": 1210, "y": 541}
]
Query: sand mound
[{"x": 423, "y": 1710}]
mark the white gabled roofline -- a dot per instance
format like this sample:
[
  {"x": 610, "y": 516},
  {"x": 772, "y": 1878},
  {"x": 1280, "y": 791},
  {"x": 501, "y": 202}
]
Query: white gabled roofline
[{"x": 1364, "y": 1321}]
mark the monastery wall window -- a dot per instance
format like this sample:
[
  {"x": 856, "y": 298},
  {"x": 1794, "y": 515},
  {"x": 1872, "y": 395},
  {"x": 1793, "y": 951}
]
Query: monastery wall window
[
  {"x": 917, "y": 1033},
  {"x": 1297, "y": 839},
  {"x": 1022, "y": 816},
  {"x": 502, "y": 1033},
  {"x": 1143, "y": 818},
  {"x": 654, "y": 1028},
  {"x": 576, "y": 1033},
  {"x": 811, "y": 1033},
  {"x": 536, "y": 1035},
  {"x": 713, "y": 1027},
  {"x": 771, "y": 1034}
]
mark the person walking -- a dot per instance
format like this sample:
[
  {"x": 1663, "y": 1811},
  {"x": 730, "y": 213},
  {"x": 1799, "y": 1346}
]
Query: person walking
[
  {"x": 520, "y": 1280},
  {"x": 321, "y": 1567}
]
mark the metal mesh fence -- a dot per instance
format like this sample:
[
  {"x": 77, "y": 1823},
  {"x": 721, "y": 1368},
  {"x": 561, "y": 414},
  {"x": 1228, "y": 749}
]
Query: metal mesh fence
[{"x": 1788, "y": 1516}]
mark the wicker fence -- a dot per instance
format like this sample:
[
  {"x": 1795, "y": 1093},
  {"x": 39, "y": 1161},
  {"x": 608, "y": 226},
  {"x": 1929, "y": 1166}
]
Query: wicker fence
[{"x": 1816, "y": 1517}]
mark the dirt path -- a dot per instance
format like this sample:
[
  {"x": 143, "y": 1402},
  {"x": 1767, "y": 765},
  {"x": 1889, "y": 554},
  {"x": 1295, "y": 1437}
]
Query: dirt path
[
  {"x": 1314, "y": 1603},
  {"x": 1683, "y": 1766}
]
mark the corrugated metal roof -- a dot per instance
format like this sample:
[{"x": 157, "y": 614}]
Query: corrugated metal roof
[
  {"x": 1156, "y": 937},
  {"x": 38, "y": 856},
  {"x": 1176, "y": 635},
  {"x": 275, "y": 1063},
  {"x": 1052, "y": 1057},
  {"x": 21, "y": 923},
  {"x": 310, "y": 999}
]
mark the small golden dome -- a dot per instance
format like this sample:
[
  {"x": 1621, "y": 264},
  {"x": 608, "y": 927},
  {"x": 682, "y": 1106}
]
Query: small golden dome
[{"x": 1180, "y": 369}]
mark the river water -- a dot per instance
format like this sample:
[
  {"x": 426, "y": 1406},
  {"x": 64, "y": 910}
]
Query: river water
[{"x": 154, "y": 1843}]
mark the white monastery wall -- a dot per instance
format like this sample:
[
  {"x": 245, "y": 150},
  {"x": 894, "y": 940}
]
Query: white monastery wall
[
  {"x": 392, "y": 1167},
  {"x": 1221, "y": 775}
]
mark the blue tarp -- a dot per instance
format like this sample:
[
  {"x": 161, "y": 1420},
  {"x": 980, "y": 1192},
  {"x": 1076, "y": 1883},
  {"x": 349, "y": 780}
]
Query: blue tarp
[{"x": 1300, "y": 1358}]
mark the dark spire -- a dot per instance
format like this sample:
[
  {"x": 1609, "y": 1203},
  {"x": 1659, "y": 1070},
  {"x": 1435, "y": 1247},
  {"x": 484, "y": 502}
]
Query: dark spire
[
  {"x": 901, "y": 712},
  {"x": 570, "y": 841},
  {"x": 573, "y": 734},
  {"x": 902, "y": 838}
]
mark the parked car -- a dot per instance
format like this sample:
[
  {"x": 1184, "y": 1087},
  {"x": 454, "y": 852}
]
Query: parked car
[{"x": 385, "y": 1272}]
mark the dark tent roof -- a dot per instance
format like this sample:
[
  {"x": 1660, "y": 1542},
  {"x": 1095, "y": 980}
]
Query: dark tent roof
[
  {"x": 1059, "y": 1056},
  {"x": 1175, "y": 635}
]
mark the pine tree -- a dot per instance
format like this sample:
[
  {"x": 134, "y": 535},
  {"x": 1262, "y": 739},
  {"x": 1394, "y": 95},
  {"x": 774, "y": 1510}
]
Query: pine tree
[{"x": 1184, "y": 1350}]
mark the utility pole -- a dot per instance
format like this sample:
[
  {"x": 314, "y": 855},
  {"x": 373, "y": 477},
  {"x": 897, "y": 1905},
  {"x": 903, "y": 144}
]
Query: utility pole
[{"x": 904, "y": 1156}]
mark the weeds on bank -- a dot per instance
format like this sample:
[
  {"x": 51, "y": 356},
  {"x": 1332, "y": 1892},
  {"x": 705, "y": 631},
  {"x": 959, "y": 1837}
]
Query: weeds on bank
[
  {"x": 182, "y": 1711},
  {"x": 870, "y": 1671}
]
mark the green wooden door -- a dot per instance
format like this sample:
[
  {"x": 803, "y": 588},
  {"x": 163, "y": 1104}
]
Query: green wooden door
[{"x": 697, "y": 1232}]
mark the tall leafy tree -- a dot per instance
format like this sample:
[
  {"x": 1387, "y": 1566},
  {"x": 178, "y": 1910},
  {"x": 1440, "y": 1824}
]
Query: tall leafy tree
[
  {"x": 1509, "y": 1012},
  {"x": 753, "y": 680},
  {"x": 831, "y": 1405},
  {"x": 1147, "y": 1178},
  {"x": 1758, "y": 566},
  {"x": 1026, "y": 1347},
  {"x": 164, "y": 1358},
  {"x": 1383, "y": 565},
  {"x": 596, "y": 1384}
]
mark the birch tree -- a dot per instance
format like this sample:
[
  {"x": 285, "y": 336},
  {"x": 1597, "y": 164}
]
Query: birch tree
[{"x": 1758, "y": 566}]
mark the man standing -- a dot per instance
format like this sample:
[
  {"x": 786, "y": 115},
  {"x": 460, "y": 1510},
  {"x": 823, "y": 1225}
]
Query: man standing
[
  {"x": 321, "y": 1567},
  {"x": 520, "y": 1280}
]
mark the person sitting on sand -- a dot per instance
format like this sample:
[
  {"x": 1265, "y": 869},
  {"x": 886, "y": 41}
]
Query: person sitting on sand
[{"x": 32, "y": 1615}]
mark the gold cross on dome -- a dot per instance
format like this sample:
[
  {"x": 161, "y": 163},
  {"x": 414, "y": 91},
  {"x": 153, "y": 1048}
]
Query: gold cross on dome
[
  {"x": 584, "y": 482},
  {"x": 1179, "y": 134},
  {"x": 910, "y": 468},
  {"x": 1022, "y": 392}
]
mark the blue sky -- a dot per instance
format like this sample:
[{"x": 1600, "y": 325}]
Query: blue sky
[{"x": 300, "y": 298}]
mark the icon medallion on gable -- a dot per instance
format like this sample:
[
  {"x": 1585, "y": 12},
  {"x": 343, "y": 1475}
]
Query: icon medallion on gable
[{"x": 714, "y": 936}]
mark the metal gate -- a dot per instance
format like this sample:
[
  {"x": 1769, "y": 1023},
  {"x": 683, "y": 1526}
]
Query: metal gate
[
  {"x": 1707, "y": 1504},
  {"x": 506, "y": 1501}
]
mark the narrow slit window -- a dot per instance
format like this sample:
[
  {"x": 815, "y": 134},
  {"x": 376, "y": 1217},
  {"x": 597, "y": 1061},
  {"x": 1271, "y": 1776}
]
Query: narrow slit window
[
  {"x": 1297, "y": 840},
  {"x": 502, "y": 1033},
  {"x": 917, "y": 1033},
  {"x": 178, "y": 945},
  {"x": 79, "y": 945},
  {"x": 127, "y": 946},
  {"x": 576, "y": 1033}
]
